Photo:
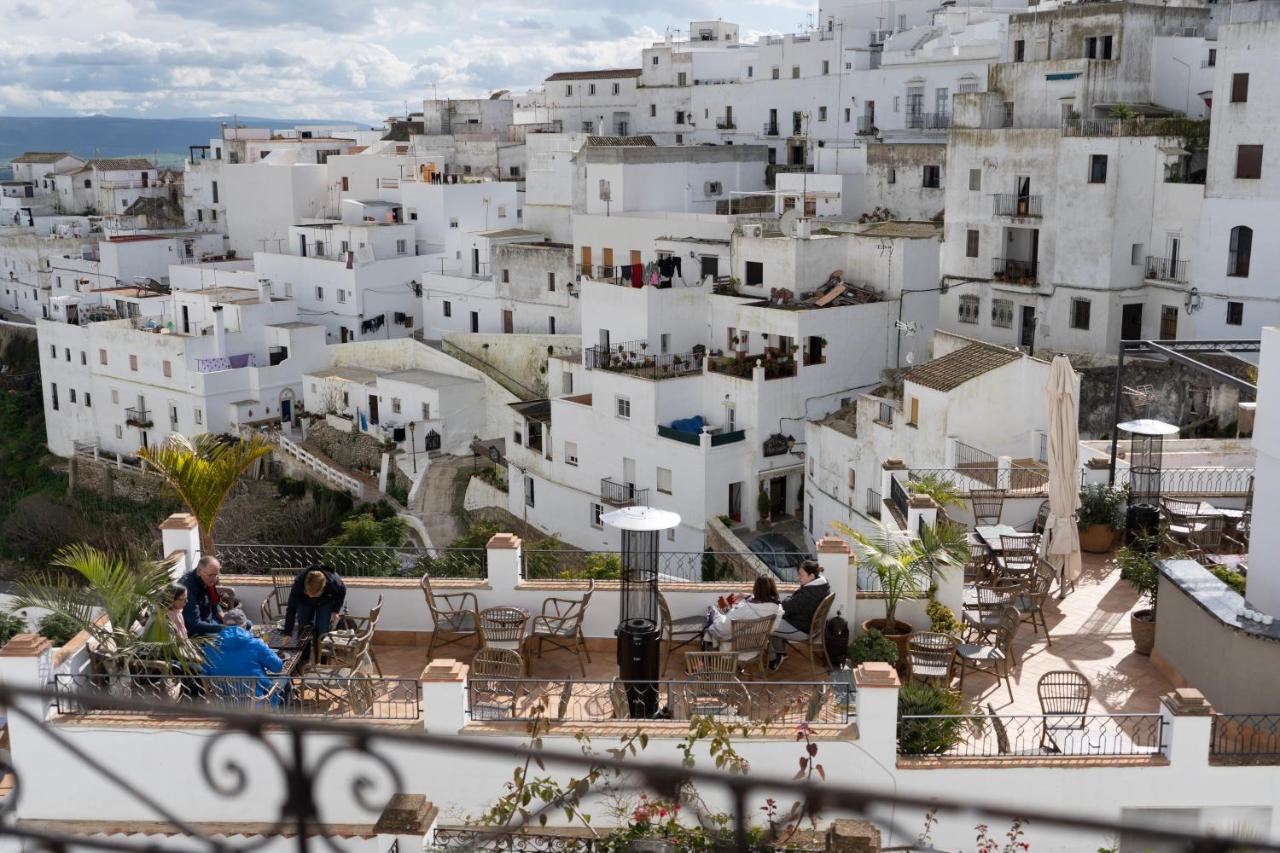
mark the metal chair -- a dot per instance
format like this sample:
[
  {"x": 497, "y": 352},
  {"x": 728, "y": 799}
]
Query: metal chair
[
  {"x": 493, "y": 683},
  {"x": 679, "y": 632},
  {"x": 561, "y": 625},
  {"x": 816, "y": 643},
  {"x": 750, "y": 642},
  {"x": 988, "y": 505},
  {"x": 455, "y": 614},
  {"x": 1030, "y": 601},
  {"x": 1064, "y": 695},
  {"x": 339, "y": 641},
  {"x": 1018, "y": 555},
  {"x": 984, "y": 605},
  {"x": 996, "y": 656},
  {"x": 931, "y": 656}
]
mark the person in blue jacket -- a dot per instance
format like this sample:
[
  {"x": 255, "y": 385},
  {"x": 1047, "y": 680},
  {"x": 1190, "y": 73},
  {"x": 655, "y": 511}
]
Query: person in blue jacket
[{"x": 239, "y": 662}]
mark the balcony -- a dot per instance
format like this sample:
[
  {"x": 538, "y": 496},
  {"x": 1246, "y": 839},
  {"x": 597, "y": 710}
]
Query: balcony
[
  {"x": 1166, "y": 269},
  {"x": 770, "y": 129},
  {"x": 928, "y": 121},
  {"x": 622, "y": 494},
  {"x": 867, "y": 126},
  {"x": 717, "y": 438},
  {"x": 1013, "y": 271},
  {"x": 140, "y": 418},
  {"x": 775, "y": 367},
  {"x": 632, "y": 358},
  {"x": 1012, "y": 204},
  {"x": 879, "y": 37},
  {"x": 725, "y": 123}
]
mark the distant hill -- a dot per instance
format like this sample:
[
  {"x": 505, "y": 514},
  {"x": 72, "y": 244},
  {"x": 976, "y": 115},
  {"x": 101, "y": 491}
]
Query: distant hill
[{"x": 108, "y": 136}]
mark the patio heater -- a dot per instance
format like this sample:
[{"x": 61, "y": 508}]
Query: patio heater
[
  {"x": 639, "y": 620},
  {"x": 1146, "y": 452}
]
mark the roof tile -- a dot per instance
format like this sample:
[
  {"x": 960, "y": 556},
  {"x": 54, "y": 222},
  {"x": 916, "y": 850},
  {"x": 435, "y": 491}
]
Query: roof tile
[{"x": 956, "y": 368}]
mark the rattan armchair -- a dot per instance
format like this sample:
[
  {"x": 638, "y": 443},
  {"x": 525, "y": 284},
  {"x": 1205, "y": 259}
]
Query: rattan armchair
[
  {"x": 815, "y": 645},
  {"x": 273, "y": 607},
  {"x": 984, "y": 604},
  {"x": 995, "y": 656},
  {"x": 493, "y": 683},
  {"x": 561, "y": 625},
  {"x": 988, "y": 505},
  {"x": 711, "y": 686},
  {"x": 750, "y": 643},
  {"x": 337, "y": 643},
  {"x": 1030, "y": 601},
  {"x": 455, "y": 616},
  {"x": 1064, "y": 701},
  {"x": 1018, "y": 555},
  {"x": 685, "y": 631},
  {"x": 931, "y": 656}
]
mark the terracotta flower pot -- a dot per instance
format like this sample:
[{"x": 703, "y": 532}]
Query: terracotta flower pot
[
  {"x": 899, "y": 634},
  {"x": 1143, "y": 625},
  {"x": 1097, "y": 538}
]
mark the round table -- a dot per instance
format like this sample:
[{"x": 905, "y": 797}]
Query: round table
[{"x": 502, "y": 627}]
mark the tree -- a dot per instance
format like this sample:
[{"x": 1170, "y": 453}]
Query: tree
[
  {"x": 203, "y": 470},
  {"x": 906, "y": 564},
  {"x": 128, "y": 591}
]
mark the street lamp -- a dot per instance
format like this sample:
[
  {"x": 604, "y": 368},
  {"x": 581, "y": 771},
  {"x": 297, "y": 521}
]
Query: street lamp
[{"x": 413, "y": 448}]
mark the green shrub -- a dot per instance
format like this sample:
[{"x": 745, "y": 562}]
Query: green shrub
[
  {"x": 1233, "y": 579},
  {"x": 287, "y": 487},
  {"x": 58, "y": 628},
  {"x": 934, "y": 736},
  {"x": 872, "y": 646},
  {"x": 726, "y": 520},
  {"x": 382, "y": 510},
  {"x": 602, "y": 567},
  {"x": 941, "y": 618},
  {"x": 11, "y": 624},
  {"x": 366, "y": 532},
  {"x": 1137, "y": 564},
  {"x": 714, "y": 570},
  {"x": 1102, "y": 504},
  {"x": 332, "y": 501}
]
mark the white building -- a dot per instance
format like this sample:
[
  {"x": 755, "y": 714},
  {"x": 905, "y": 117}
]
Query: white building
[
  {"x": 32, "y": 184},
  {"x": 600, "y": 102},
  {"x": 106, "y": 186}
]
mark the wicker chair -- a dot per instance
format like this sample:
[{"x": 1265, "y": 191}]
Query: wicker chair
[
  {"x": 493, "y": 685},
  {"x": 979, "y": 563},
  {"x": 815, "y": 645},
  {"x": 750, "y": 642},
  {"x": 679, "y": 633},
  {"x": 1018, "y": 555},
  {"x": 336, "y": 643},
  {"x": 273, "y": 607},
  {"x": 561, "y": 625},
  {"x": 1030, "y": 601},
  {"x": 1042, "y": 518},
  {"x": 330, "y": 682},
  {"x": 711, "y": 686},
  {"x": 1064, "y": 696},
  {"x": 995, "y": 656},
  {"x": 985, "y": 604},
  {"x": 1180, "y": 519},
  {"x": 931, "y": 656},
  {"x": 988, "y": 505},
  {"x": 1206, "y": 536},
  {"x": 454, "y": 615}
]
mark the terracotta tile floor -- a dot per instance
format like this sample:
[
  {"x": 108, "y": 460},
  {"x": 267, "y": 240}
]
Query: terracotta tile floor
[{"x": 1090, "y": 631}]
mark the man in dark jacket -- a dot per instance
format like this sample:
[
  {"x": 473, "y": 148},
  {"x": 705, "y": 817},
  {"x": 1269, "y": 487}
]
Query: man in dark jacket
[
  {"x": 203, "y": 611},
  {"x": 315, "y": 601},
  {"x": 798, "y": 610}
]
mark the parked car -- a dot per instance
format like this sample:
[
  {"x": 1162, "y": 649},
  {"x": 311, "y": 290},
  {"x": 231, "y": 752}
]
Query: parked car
[{"x": 780, "y": 554}]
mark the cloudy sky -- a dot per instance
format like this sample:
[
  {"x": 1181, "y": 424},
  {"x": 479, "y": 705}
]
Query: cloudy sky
[{"x": 344, "y": 59}]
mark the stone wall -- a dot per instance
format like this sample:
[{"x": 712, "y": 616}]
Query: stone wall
[
  {"x": 105, "y": 479},
  {"x": 354, "y": 450},
  {"x": 1178, "y": 391}
]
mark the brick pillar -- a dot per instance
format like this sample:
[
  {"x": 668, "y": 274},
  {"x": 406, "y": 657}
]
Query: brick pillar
[
  {"x": 407, "y": 823},
  {"x": 503, "y": 552},
  {"x": 853, "y": 836},
  {"x": 444, "y": 696},
  {"x": 841, "y": 572},
  {"x": 180, "y": 535},
  {"x": 876, "y": 706}
]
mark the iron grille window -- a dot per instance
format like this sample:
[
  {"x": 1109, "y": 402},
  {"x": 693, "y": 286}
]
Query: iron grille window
[
  {"x": 968, "y": 310},
  {"x": 1002, "y": 313}
]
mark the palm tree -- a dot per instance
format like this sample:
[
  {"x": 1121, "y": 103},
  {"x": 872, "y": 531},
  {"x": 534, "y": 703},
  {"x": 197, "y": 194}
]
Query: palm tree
[
  {"x": 905, "y": 563},
  {"x": 943, "y": 491},
  {"x": 202, "y": 472},
  {"x": 109, "y": 598}
]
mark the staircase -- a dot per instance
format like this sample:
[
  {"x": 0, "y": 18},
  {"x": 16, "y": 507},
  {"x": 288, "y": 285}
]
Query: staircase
[{"x": 322, "y": 470}]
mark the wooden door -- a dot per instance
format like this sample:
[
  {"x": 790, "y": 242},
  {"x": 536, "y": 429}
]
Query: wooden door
[{"x": 586, "y": 260}]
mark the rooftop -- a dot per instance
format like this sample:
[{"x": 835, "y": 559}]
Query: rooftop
[
  {"x": 956, "y": 368},
  {"x": 508, "y": 233},
  {"x": 349, "y": 373},
  {"x": 427, "y": 378},
  {"x": 620, "y": 141},
  {"x": 600, "y": 74},
  {"x": 41, "y": 157},
  {"x": 904, "y": 229},
  {"x": 534, "y": 410},
  {"x": 118, "y": 164}
]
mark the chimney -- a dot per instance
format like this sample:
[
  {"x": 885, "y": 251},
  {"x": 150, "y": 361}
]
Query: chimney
[{"x": 219, "y": 333}]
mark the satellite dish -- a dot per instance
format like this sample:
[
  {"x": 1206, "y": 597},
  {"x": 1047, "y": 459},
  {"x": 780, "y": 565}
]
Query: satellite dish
[{"x": 787, "y": 222}]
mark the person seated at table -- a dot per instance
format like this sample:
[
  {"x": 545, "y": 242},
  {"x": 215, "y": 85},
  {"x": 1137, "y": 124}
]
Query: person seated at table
[
  {"x": 798, "y": 610},
  {"x": 315, "y": 601},
  {"x": 239, "y": 663},
  {"x": 762, "y": 602},
  {"x": 177, "y": 598},
  {"x": 202, "y": 613}
]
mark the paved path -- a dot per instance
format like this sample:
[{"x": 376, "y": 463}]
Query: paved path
[{"x": 433, "y": 502}]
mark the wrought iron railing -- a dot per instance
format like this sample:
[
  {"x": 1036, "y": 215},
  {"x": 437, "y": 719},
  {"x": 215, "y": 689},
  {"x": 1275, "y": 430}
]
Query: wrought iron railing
[
  {"x": 137, "y": 417},
  {"x": 353, "y": 696},
  {"x": 968, "y": 456},
  {"x": 622, "y": 494},
  {"x": 355, "y": 560},
  {"x": 1013, "y": 204},
  {"x": 1031, "y": 735},
  {"x": 1255, "y": 736},
  {"x": 1166, "y": 269},
  {"x": 928, "y": 121},
  {"x": 637, "y": 361},
  {"x": 1016, "y": 478},
  {"x": 705, "y": 566},
  {"x": 770, "y": 129},
  {"x": 866, "y": 125},
  {"x": 586, "y": 701},
  {"x": 898, "y": 496},
  {"x": 1013, "y": 270},
  {"x": 1209, "y": 482}
]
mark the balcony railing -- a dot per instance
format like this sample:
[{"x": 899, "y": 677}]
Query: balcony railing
[
  {"x": 928, "y": 121},
  {"x": 622, "y": 494},
  {"x": 879, "y": 37},
  {"x": 1024, "y": 735},
  {"x": 1256, "y": 736},
  {"x": 1013, "y": 271},
  {"x": 770, "y": 129},
  {"x": 355, "y": 560},
  {"x": 898, "y": 496},
  {"x": 717, "y": 438},
  {"x": 707, "y": 566},
  {"x": 1015, "y": 478},
  {"x": 1166, "y": 269},
  {"x": 774, "y": 368},
  {"x": 725, "y": 123},
  {"x": 140, "y": 418},
  {"x": 867, "y": 125},
  {"x": 1012, "y": 204}
]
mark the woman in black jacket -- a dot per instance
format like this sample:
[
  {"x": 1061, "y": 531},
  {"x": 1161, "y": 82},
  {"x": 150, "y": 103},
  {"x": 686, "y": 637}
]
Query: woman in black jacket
[
  {"x": 315, "y": 601},
  {"x": 798, "y": 610}
]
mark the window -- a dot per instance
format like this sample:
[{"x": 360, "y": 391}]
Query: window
[
  {"x": 750, "y": 71},
  {"x": 596, "y": 512},
  {"x": 517, "y": 433},
  {"x": 88, "y": 403},
  {"x": 571, "y": 453},
  {"x": 1098, "y": 47},
  {"x": 822, "y": 113},
  {"x": 1002, "y": 313},
  {"x": 566, "y": 382},
  {"x": 622, "y": 407},
  {"x": 568, "y": 89},
  {"x": 1080, "y": 313},
  {"x": 166, "y": 368},
  {"x": 528, "y": 491},
  {"x": 115, "y": 397},
  {"x": 655, "y": 60},
  {"x": 775, "y": 72},
  {"x": 1135, "y": 254},
  {"x": 133, "y": 363},
  {"x": 913, "y": 416},
  {"x": 346, "y": 183},
  {"x": 1241, "y": 249},
  {"x": 395, "y": 405},
  {"x": 932, "y": 177},
  {"x": 1098, "y": 169},
  {"x": 682, "y": 78},
  {"x": 897, "y": 103},
  {"x": 67, "y": 353},
  {"x": 342, "y": 296},
  {"x": 679, "y": 116},
  {"x": 848, "y": 113},
  {"x": 886, "y": 413},
  {"x": 84, "y": 358},
  {"x": 1019, "y": 51},
  {"x": 1235, "y": 313},
  {"x": 551, "y": 325},
  {"x": 71, "y": 395},
  {"x": 826, "y": 66},
  {"x": 448, "y": 309},
  {"x": 755, "y": 273},
  {"x": 795, "y": 72},
  {"x": 53, "y": 351},
  {"x": 1213, "y": 58},
  {"x": 1249, "y": 161},
  {"x": 453, "y": 222},
  {"x": 975, "y": 180},
  {"x": 591, "y": 89},
  {"x": 551, "y": 282},
  {"x": 1239, "y": 88},
  {"x": 617, "y": 88},
  {"x": 971, "y": 243},
  {"x": 893, "y": 175},
  {"x": 653, "y": 110},
  {"x": 506, "y": 276},
  {"x": 664, "y": 480},
  {"x": 402, "y": 246},
  {"x": 320, "y": 294},
  {"x": 968, "y": 311},
  {"x": 53, "y": 394},
  {"x": 119, "y": 431},
  {"x": 102, "y": 356}
]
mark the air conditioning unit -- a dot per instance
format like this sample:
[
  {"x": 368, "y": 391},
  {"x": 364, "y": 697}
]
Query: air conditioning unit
[
  {"x": 712, "y": 188},
  {"x": 752, "y": 230}
]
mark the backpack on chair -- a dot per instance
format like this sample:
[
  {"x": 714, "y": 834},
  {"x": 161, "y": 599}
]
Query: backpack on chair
[{"x": 836, "y": 639}]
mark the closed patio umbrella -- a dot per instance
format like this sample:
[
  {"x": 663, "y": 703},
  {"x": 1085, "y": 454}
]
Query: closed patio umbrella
[{"x": 1062, "y": 538}]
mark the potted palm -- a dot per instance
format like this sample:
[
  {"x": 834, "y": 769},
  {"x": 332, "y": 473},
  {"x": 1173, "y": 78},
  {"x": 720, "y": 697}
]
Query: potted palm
[
  {"x": 943, "y": 492},
  {"x": 905, "y": 565},
  {"x": 1101, "y": 514},
  {"x": 1137, "y": 564}
]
